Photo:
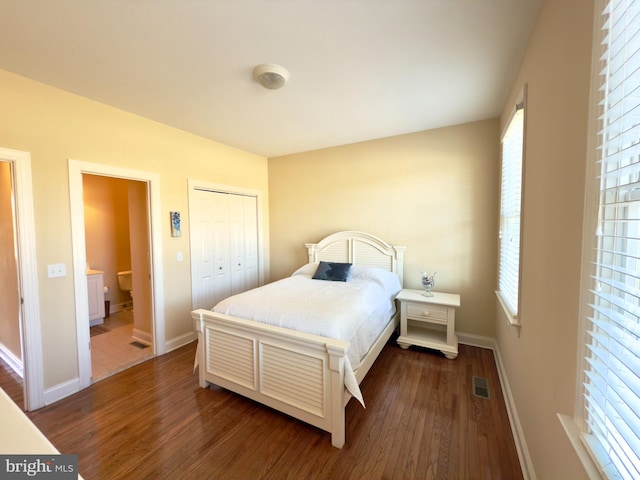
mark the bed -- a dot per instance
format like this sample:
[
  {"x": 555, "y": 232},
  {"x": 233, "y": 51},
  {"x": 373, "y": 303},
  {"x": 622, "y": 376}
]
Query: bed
[{"x": 306, "y": 375}]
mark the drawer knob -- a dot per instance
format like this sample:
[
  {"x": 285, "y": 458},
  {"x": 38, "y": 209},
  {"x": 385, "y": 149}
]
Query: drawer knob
[{"x": 425, "y": 313}]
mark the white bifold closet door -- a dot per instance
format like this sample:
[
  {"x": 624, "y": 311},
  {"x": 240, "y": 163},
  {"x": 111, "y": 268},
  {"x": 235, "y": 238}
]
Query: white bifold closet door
[{"x": 224, "y": 245}]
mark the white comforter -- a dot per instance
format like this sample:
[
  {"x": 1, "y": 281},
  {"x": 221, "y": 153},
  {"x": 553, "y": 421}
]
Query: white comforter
[{"x": 355, "y": 311}]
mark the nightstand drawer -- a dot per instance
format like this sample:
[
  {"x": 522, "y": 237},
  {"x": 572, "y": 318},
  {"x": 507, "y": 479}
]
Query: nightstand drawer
[{"x": 432, "y": 313}]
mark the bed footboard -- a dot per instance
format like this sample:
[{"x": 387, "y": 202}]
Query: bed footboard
[{"x": 299, "y": 374}]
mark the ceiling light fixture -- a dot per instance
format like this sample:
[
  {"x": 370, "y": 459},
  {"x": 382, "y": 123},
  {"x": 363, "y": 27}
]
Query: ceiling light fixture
[{"x": 271, "y": 76}]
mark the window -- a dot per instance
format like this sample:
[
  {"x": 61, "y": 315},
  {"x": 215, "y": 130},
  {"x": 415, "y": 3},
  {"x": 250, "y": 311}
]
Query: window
[
  {"x": 608, "y": 414},
  {"x": 510, "y": 213}
]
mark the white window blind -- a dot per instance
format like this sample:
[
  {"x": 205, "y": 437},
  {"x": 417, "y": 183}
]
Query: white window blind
[
  {"x": 510, "y": 209},
  {"x": 612, "y": 375}
]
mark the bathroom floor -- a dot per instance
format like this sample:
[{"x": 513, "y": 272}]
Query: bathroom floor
[{"x": 112, "y": 351}]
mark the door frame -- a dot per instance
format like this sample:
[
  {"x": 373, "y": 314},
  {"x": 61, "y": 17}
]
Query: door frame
[
  {"x": 76, "y": 169},
  {"x": 33, "y": 376}
]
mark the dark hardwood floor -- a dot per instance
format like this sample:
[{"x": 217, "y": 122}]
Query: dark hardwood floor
[
  {"x": 422, "y": 420},
  {"x": 11, "y": 383}
]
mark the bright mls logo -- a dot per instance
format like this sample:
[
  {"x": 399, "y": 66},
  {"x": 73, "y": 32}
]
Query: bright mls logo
[{"x": 50, "y": 467}]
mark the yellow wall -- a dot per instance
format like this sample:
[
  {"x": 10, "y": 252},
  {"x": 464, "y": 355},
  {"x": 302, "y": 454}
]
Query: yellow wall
[
  {"x": 54, "y": 126},
  {"x": 541, "y": 363},
  {"x": 435, "y": 192}
]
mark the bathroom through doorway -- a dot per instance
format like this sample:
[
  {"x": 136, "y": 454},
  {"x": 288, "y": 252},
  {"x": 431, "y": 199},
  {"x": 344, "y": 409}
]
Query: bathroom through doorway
[{"x": 117, "y": 249}]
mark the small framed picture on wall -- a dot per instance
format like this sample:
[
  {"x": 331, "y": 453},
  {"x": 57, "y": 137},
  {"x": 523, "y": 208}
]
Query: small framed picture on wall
[{"x": 175, "y": 224}]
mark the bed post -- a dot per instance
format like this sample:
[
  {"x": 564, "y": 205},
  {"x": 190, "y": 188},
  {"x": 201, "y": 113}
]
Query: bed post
[
  {"x": 399, "y": 263},
  {"x": 338, "y": 418},
  {"x": 200, "y": 360},
  {"x": 312, "y": 252}
]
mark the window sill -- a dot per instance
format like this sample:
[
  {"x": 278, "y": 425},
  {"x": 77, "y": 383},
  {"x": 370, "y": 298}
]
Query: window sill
[
  {"x": 512, "y": 318},
  {"x": 573, "y": 433}
]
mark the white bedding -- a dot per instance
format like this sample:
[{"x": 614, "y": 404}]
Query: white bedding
[{"x": 355, "y": 311}]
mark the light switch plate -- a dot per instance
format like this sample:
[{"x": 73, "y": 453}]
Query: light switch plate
[{"x": 57, "y": 270}]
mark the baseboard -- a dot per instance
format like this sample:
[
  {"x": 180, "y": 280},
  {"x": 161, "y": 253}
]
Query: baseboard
[
  {"x": 60, "y": 391},
  {"x": 476, "y": 340},
  {"x": 518, "y": 436},
  {"x": 118, "y": 307},
  {"x": 10, "y": 359},
  {"x": 180, "y": 341},
  {"x": 142, "y": 337}
]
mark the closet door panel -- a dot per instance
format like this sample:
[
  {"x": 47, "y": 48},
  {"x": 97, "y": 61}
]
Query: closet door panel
[
  {"x": 203, "y": 263},
  {"x": 206, "y": 271},
  {"x": 221, "y": 246}
]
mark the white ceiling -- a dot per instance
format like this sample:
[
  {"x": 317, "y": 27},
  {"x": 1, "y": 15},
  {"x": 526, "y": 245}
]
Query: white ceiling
[{"x": 360, "y": 69}]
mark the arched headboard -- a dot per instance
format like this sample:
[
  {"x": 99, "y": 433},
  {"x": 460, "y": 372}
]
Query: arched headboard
[{"x": 358, "y": 248}]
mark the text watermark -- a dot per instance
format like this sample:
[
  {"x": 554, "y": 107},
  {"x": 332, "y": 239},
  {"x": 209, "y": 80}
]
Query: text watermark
[{"x": 49, "y": 467}]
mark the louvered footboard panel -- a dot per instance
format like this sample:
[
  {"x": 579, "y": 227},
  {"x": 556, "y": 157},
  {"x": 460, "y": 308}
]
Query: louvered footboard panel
[
  {"x": 294, "y": 378},
  {"x": 232, "y": 357}
]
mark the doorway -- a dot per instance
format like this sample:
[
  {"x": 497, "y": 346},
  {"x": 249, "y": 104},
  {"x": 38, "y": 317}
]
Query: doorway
[
  {"x": 11, "y": 364},
  {"x": 23, "y": 252},
  {"x": 118, "y": 264},
  {"x": 149, "y": 265}
]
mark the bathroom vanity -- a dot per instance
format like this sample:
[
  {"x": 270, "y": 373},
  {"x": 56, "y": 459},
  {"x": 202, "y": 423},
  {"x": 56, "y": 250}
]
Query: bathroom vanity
[{"x": 95, "y": 290}]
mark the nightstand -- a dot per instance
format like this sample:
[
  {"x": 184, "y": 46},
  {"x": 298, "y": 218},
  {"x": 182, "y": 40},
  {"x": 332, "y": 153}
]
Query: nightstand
[{"x": 429, "y": 321}]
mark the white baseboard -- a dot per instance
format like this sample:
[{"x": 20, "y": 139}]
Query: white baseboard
[
  {"x": 180, "y": 341},
  {"x": 118, "y": 307},
  {"x": 516, "y": 428},
  {"x": 518, "y": 435},
  {"x": 142, "y": 337},
  {"x": 476, "y": 340},
  {"x": 62, "y": 390},
  {"x": 10, "y": 359}
]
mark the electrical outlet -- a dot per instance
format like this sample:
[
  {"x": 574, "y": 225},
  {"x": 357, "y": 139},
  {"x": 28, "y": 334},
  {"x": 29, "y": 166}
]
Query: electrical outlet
[{"x": 57, "y": 270}]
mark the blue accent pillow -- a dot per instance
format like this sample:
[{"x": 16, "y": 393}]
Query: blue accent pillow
[{"x": 332, "y": 271}]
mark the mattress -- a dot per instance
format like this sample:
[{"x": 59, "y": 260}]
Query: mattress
[{"x": 355, "y": 311}]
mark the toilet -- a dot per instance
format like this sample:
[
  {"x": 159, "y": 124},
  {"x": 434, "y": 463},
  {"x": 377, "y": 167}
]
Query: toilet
[{"x": 125, "y": 283}]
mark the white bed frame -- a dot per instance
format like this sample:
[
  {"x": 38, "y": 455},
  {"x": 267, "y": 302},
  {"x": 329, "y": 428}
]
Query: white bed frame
[{"x": 296, "y": 373}]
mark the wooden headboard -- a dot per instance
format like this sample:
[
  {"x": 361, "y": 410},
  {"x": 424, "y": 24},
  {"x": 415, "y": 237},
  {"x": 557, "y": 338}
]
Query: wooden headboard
[{"x": 358, "y": 248}]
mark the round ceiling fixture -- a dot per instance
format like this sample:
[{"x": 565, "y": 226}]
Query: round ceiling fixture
[{"x": 271, "y": 76}]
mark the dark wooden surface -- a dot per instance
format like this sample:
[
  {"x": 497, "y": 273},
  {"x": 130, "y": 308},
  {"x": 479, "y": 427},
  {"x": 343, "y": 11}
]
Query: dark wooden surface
[
  {"x": 422, "y": 420},
  {"x": 11, "y": 383}
]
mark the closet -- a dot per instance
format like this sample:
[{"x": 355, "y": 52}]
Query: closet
[{"x": 224, "y": 245}]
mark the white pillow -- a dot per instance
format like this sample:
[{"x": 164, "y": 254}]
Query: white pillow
[
  {"x": 306, "y": 270},
  {"x": 389, "y": 281}
]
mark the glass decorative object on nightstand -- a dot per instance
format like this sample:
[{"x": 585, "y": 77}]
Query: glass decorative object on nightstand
[{"x": 428, "y": 282}]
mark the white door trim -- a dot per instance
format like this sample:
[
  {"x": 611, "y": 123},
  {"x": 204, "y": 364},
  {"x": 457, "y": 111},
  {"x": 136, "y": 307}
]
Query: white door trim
[
  {"x": 28, "y": 277},
  {"x": 76, "y": 169}
]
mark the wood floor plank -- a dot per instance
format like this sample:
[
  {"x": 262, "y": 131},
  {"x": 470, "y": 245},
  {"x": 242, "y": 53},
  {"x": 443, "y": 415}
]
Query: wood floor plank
[
  {"x": 11, "y": 383},
  {"x": 421, "y": 421}
]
